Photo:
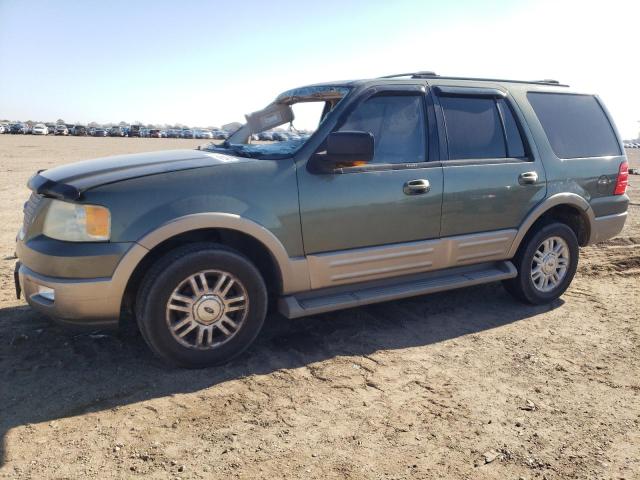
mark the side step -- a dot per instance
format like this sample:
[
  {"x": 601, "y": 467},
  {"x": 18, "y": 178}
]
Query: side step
[{"x": 348, "y": 296}]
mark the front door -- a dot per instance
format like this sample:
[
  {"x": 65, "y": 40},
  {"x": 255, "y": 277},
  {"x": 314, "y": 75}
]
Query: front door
[{"x": 362, "y": 224}]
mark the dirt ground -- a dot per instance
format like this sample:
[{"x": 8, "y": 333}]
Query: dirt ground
[{"x": 464, "y": 384}]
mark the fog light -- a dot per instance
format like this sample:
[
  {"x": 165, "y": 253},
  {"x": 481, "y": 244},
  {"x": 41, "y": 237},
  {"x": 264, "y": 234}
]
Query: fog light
[{"x": 47, "y": 293}]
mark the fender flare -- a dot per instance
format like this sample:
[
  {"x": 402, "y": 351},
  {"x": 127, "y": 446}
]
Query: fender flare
[
  {"x": 571, "y": 199},
  {"x": 292, "y": 271}
]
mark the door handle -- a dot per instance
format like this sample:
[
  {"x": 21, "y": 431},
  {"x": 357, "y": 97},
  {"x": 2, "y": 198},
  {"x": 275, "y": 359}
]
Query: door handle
[
  {"x": 528, "y": 178},
  {"x": 416, "y": 187}
]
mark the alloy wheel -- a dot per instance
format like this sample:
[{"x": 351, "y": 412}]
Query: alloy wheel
[
  {"x": 550, "y": 264},
  {"x": 207, "y": 309}
]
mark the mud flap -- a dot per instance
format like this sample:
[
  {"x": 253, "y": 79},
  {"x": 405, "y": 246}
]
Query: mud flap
[{"x": 16, "y": 280}]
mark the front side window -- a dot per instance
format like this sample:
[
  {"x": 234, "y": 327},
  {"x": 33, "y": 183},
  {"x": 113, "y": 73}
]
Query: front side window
[
  {"x": 575, "y": 125},
  {"x": 480, "y": 128},
  {"x": 397, "y": 125}
]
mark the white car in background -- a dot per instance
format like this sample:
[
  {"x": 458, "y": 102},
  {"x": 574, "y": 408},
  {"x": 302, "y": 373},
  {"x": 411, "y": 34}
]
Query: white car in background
[
  {"x": 61, "y": 130},
  {"x": 203, "y": 134},
  {"x": 40, "y": 129}
]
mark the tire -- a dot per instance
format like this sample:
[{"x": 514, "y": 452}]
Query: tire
[
  {"x": 207, "y": 323},
  {"x": 535, "y": 292}
]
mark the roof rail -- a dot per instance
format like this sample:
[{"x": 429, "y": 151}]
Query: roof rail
[
  {"x": 413, "y": 75},
  {"x": 428, "y": 74}
]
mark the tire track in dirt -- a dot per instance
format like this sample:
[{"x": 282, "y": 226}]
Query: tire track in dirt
[{"x": 618, "y": 256}]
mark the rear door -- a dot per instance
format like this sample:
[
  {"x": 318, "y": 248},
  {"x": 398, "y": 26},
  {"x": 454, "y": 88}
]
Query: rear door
[{"x": 492, "y": 178}]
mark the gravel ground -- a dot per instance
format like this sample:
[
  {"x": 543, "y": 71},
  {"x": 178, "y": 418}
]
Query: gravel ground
[{"x": 463, "y": 384}]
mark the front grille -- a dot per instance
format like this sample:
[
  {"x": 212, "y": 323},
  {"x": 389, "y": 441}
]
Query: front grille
[{"x": 30, "y": 210}]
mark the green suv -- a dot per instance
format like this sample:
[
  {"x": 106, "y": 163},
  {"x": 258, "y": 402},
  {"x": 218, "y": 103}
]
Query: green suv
[{"x": 410, "y": 184}]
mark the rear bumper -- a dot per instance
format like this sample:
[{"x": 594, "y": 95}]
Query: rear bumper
[{"x": 607, "y": 226}]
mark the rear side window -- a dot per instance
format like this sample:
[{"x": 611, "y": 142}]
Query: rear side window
[
  {"x": 397, "y": 125},
  {"x": 515, "y": 147},
  {"x": 575, "y": 125},
  {"x": 480, "y": 128}
]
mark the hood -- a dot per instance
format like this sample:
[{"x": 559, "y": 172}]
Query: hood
[{"x": 69, "y": 181}]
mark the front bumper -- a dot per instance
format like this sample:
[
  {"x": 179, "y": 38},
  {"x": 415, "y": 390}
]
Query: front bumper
[
  {"x": 62, "y": 290},
  {"x": 87, "y": 302}
]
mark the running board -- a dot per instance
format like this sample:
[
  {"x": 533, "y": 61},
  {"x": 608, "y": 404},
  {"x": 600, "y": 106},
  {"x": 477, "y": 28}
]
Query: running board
[{"x": 348, "y": 296}]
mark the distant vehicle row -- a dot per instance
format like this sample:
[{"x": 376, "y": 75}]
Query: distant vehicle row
[
  {"x": 138, "y": 131},
  {"x": 631, "y": 144},
  {"x": 132, "y": 131}
]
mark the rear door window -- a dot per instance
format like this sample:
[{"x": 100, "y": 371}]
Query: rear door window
[
  {"x": 515, "y": 147},
  {"x": 480, "y": 128},
  {"x": 575, "y": 125}
]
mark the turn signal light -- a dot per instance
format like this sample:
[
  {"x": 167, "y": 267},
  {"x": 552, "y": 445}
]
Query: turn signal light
[{"x": 98, "y": 221}]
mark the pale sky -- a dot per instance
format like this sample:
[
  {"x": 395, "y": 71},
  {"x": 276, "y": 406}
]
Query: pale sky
[{"x": 207, "y": 63}]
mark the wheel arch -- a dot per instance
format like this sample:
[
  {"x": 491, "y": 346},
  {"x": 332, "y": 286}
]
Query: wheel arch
[
  {"x": 568, "y": 208},
  {"x": 283, "y": 273}
]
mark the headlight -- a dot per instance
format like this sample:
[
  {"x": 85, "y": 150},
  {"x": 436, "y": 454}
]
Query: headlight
[{"x": 73, "y": 222}]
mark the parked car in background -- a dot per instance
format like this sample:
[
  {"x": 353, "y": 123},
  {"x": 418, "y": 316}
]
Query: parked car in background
[
  {"x": 154, "y": 133},
  {"x": 265, "y": 136},
  {"x": 100, "y": 132},
  {"x": 134, "y": 131},
  {"x": 203, "y": 134},
  {"x": 80, "y": 131},
  {"x": 187, "y": 133},
  {"x": 3, "y": 128},
  {"x": 116, "y": 131},
  {"x": 173, "y": 133},
  {"x": 61, "y": 129},
  {"x": 40, "y": 129},
  {"x": 18, "y": 129}
]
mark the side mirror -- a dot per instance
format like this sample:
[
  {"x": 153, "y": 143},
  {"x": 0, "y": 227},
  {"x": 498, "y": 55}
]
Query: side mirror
[{"x": 349, "y": 148}]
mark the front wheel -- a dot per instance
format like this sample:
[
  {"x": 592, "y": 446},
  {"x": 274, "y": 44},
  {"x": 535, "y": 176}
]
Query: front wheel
[
  {"x": 201, "y": 305},
  {"x": 546, "y": 265}
]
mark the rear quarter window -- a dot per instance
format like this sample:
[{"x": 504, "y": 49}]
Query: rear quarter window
[{"x": 575, "y": 125}]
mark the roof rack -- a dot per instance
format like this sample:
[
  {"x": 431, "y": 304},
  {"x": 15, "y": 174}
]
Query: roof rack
[
  {"x": 429, "y": 74},
  {"x": 413, "y": 75}
]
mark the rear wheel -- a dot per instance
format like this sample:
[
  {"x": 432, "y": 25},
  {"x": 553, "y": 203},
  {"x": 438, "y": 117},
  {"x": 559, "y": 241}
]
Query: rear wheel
[
  {"x": 201, "y": 305},
  {"x": 546, "y": 265}
]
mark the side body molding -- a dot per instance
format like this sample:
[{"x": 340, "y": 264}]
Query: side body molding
[
  {"x": 293, "y": 271},
  {"x": 553, "y": 201}
]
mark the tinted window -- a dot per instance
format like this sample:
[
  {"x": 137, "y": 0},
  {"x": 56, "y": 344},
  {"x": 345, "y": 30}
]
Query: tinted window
[
  {"x": 515, "y": 147},
  {"x": 576, "y": 125},
  {"x": 473, "y": 128},
  {"x": 397, "y": 125}
]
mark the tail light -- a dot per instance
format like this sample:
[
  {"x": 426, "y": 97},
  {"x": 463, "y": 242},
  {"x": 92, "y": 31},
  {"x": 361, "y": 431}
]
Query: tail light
[{"x": 623, "y": 179}]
